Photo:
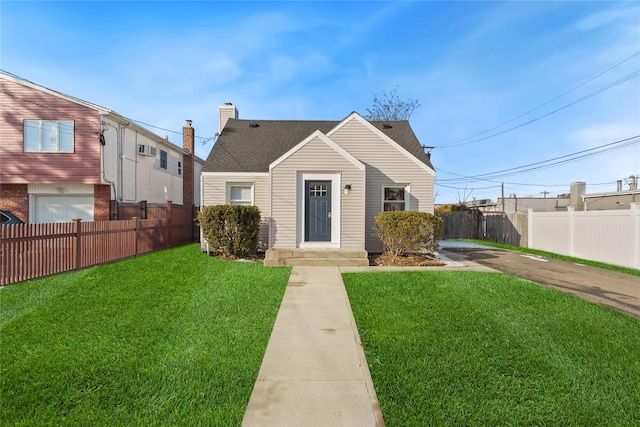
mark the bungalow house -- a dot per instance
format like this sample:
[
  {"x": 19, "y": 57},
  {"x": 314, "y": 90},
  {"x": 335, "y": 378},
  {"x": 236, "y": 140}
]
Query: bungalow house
[
  {"x": 63, "y": 158},
  {"x": 318, "y": 184}
]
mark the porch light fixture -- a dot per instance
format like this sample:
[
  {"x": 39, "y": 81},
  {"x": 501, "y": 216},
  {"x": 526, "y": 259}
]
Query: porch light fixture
[{"x": 346, "y": 190}]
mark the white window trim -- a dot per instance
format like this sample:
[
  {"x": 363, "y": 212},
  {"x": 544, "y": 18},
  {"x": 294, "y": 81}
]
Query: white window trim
[
  {"x": 336, "y": 208},
  {"x": 40, "y": 142},
  {"x": 407, "y": 194},
  {"x": 230, "y": 184}
]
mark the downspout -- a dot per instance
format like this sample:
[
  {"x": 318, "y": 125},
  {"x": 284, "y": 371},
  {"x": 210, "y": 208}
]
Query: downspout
[
  {"x": 105, "y": 126},
  {"x": 119, "y": 163},
  {"x": 135, "y": 173},
  {"x": 121, "y": 141}
]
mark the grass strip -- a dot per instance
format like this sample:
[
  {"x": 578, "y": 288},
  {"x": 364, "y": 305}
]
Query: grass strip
[
  {"x": 171, "y": 338},
  {"x": 467, "y": 348},
  {"x": 617, "y": 268}
]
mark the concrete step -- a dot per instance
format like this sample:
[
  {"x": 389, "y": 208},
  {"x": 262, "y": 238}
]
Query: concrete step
[{"x": 315, "y": 257}]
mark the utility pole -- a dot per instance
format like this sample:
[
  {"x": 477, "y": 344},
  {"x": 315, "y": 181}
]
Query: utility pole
[
  {"x": 503, "y": 197},
  {"x": 545, "y": 193}
]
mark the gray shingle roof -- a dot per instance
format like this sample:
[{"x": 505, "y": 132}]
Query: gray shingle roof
[{"x": 242, "y": 147}]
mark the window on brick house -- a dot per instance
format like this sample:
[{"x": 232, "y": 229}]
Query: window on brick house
[
  {"x": 48, "y": 136},
  {"x": 179, "y": 168}
]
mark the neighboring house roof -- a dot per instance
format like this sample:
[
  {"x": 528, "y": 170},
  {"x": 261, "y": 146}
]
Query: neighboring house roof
[
  {"x": 99, "y": 109},
  {"x": 244, "y": 147}
]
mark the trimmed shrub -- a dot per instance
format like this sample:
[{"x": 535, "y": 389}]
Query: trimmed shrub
[
  {"x": 231, "y": 231},
  {"x": 406, "y": 231}
]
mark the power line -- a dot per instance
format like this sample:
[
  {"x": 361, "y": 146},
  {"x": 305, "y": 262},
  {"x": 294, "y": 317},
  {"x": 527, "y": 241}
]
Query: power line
[
  {"x": 525, "y": 184},
  {"x": 543, "y": 164},
  {"x": 616, "y": 83},
  {"x": 550, "y": 101}
]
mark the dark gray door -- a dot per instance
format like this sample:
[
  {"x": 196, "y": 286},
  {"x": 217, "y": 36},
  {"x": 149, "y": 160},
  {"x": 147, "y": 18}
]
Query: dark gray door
[{"x": 317, "y": 220}]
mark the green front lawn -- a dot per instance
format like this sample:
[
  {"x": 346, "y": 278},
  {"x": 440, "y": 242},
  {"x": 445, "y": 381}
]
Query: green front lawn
[
  {"x": 171, "y": 338},
  {"x": 465, "y": 348}
]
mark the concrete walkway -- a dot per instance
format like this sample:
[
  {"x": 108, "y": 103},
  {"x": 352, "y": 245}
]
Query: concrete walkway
[{"x": 314, "y": 372}]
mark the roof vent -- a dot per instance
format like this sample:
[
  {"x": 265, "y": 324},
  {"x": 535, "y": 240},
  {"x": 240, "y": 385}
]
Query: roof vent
[
  {"x": 254, "y": 125},
  {"x": 386, "y": 126},
  {"x": 228, "y": 103}
]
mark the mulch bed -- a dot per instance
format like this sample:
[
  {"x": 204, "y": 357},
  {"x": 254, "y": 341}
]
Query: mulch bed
[
  {"x": 407, "y": 260},
  {"x": 381, "y": 260}
]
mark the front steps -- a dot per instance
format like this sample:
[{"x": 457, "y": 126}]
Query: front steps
[{"x": 316, "y": 257}]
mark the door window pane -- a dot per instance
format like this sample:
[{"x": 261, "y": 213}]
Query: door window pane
[{"x": 318, "y": 190}]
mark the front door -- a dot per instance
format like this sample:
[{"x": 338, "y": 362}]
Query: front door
[{"x": 317, "y": 220}]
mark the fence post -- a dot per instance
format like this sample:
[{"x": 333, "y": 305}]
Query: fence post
[
  {"x": 194, "y": 218},
  {"x": 77, "y": 221},
  {"x": 570, "y": 213},
  {"x": 529, "y": 228},
  {"x": 136, "y": 227},
  {"x": 142, "y": 207},
  {"x": 170, "y": 213},
  {"x": 635, "y": 232}
]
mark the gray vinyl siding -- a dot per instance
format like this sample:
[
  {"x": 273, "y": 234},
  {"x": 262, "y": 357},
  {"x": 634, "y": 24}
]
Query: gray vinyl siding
[
  {"x": 214, "y": 189},
  {"x": 385, "y": 164},
  {"x": 316, "y": 157}
]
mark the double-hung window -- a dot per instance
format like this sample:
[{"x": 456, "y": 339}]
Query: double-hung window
[
  {"x": 395, "y": 198},
  {"x": 240, "y": 194},
  {"x": 163, "y": 159},
  {"x": 48, "y": 136}
]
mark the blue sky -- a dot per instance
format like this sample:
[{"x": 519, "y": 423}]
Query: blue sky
[{"x": 473, "y": 66}]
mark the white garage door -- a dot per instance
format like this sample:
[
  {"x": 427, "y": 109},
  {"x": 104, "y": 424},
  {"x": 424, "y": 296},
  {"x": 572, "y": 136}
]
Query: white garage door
[{"x": 63, "y": 208}]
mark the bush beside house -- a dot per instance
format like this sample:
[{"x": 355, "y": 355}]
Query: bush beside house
[
  {"x": 406, "y": 231},
  {"x": 230, "y": 230}
]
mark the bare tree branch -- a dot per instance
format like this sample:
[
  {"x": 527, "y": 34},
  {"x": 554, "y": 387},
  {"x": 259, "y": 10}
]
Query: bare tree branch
[{"x": 390, "y": 107}]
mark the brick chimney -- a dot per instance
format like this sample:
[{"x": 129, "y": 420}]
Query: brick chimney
[
  {"x": 188, "y": 143},
  {"x": 226, "y": 112}
]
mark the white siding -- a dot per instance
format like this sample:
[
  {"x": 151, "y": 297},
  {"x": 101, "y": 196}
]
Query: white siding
[
  {"x": 385, "y": 165},
  {"x": 214, "y": 189},
  {"x": 315, "y": 157},
  {"x": 137, "y": 177}
]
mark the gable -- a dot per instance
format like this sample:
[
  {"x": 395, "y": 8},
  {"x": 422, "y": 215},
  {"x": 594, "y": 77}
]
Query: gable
[
  {"x": 315, "y": 137},
  {"x": 242, "y": 147},
  {"x": 355, "y": 128}
]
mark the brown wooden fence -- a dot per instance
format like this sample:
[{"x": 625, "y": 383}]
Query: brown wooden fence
[
  {"x": 29, "y": 251},
  {"x": 510, "y": 229}
]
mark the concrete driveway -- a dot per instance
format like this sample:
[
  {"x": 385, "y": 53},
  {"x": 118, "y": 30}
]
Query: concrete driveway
[{"x": 615, "y": 290}]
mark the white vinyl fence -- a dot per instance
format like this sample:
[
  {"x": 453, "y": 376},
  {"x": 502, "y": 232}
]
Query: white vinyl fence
[{"x": 610, "y": 236}]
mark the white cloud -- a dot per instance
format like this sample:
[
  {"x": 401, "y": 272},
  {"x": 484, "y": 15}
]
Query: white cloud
[
  {"x": 627, "y": 14},
  {"x": 284, "y": 68},
  {"x": 603, "y": 133}
]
